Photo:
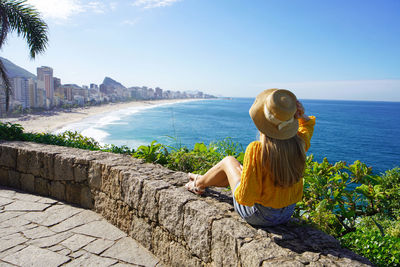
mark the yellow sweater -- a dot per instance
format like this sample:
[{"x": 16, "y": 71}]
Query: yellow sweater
[{"x": 254, "y": 188}]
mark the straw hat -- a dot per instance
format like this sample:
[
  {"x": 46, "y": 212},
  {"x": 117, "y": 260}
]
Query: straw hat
[{"x": 273, "y": 113}]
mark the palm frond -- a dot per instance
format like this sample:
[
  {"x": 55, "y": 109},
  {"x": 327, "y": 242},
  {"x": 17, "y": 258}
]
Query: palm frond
[
  {"x": 18, "y": 16},
  {"x": 7, "y": 83},
  {"x": 26, "y": 21},
  {"x": 5, "y": 26}
]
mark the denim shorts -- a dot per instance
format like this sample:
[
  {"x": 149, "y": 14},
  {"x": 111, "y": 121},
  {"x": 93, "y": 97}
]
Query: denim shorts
[{"x": 259, "y": 215}]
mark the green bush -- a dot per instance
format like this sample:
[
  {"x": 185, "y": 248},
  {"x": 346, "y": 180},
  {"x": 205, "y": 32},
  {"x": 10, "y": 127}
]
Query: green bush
[
  {"x": 118, "y": 149},
  {"x": 154, "y": 153},
  {"x": 336, "y": 196},
  {"x": 9, "y": 131},
  {"x": 201, "y": 158},
  {"x": 198, "y": 160},
  {"x": 380, "y": 250},
  {"x": 391, "y": 184},
  {"x": 228, "y": 147},
  {"x": 68, "y": 138}
]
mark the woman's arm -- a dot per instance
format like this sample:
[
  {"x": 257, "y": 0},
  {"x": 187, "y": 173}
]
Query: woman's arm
[{"x": 306, "y": 125}]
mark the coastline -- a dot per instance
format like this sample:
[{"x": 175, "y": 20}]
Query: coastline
[{"x": 48, "y": 122}]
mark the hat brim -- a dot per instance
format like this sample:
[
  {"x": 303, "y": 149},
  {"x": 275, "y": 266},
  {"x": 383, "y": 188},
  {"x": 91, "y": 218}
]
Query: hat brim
[{"x": 266, "y": 127}]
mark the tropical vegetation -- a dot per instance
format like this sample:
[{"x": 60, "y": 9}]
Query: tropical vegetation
[
  {"x": 348, "y": 201},
  {"x": 18, "y": 16}
]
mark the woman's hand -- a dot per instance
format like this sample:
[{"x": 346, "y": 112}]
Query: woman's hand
[{"x": 300, "y": 113}]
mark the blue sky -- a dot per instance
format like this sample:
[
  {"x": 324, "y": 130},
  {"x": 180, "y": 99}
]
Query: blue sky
[{"x": 318, "y": 49}]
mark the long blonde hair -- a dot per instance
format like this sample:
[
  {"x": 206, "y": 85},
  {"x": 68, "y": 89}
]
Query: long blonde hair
[{"x": 283, "y": 160}]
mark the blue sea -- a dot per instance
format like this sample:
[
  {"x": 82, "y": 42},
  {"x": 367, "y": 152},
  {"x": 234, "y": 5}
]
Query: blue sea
[{"x": 344, "y": 130}]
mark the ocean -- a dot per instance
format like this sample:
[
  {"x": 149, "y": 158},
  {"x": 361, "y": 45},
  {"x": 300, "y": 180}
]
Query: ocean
[{"x": 344, "y": 131}]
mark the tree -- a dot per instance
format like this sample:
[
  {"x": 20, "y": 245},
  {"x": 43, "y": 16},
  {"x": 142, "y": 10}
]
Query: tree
[{"x": 25, "y": 20}]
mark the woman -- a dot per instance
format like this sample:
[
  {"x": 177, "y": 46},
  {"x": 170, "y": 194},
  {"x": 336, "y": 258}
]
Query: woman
[{"x": 268, "y": 185}]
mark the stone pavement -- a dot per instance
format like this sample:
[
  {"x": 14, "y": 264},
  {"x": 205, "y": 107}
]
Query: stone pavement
[{"x": 39, "y": 231}]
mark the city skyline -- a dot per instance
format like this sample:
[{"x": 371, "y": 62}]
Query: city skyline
[
  {"x": 44, "y": 91},
  {"x": 329, "y": 50}
]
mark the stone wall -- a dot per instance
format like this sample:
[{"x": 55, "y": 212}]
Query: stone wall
[{"x": 150, "y": 203}]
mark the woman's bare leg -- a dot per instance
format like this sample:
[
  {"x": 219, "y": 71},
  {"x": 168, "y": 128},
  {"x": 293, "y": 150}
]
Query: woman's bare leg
[{"x": 224, "y": 173}]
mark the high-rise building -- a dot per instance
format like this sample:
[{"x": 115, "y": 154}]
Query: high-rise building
[
  {"x": 21, "y": 91},
  {"x": 32, "y": 93},
  {"x": 57, "y": 82},
  {"x": 45, "y": 79},
  {"x": 158, "y": 93},
  {"x": 94, "y": 86},
  {"x": 2, "y": 99},
  {"x": 40, "y": 97}
]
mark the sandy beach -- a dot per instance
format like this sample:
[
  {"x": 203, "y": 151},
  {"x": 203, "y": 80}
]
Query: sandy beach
[{"x": 51, "y": 121}]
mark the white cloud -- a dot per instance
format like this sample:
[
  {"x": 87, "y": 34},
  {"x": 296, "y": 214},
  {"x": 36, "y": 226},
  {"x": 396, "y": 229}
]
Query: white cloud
[
  {"x": 153, "y": 3},
  {"x": 130, "y": 22},
  {"x": 96, "y": 7},
  {"x": 62, "y": 10},
  {"x": 59, "y": 9},
  {"x": 113, "y": 5}
]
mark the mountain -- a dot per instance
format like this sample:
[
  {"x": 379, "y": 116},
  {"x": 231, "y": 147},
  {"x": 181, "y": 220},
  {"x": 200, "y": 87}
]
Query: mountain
[
  {"x": 112, "y": 83},
  {"x": 16, "y": 71}
]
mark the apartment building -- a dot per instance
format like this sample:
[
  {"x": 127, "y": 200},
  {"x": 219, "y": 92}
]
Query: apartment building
[{"x": 45, "y": 81}]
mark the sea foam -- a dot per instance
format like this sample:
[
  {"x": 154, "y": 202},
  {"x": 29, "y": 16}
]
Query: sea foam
[{"x": 93, "y": 126}]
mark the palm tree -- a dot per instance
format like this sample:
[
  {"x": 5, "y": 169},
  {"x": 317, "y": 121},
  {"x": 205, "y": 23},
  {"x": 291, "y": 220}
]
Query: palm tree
[{"x": 25, "y": 20}]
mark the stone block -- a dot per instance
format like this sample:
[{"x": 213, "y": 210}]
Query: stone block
[
  {"x": 42, "y": 186},
  {"x": 77, "y": 241},
  {"x": 46, "y": 161},
  {"x": 3, "y": 176},
  {"x": 99, "y": 201},
  {"x": 198, "y": 219},
  {"x": 29, "y": 161},
  {"x": 115, "y": 211},
  {"x": 49, "y": 241},
  {"x": 100, "y": 229},
  {"x": 33, "y": 256},
  {"x": 123, "y": 220},
  {"x": 142, "y": 232},
  {"x": 89, "y": 259},
  {"x": 73, "y": 193},
  {"x": 112, "y": 160},
  {"x": 57, "y": 190},
  {"x": 86, "y": 198},
  {"x": 148, "y": 204},
  {"x": 111, "y": 182},
  {"x": 28, "y": 182},
  {"x": 171, "y": 209},
  {"x": 131, "y": 188},
  {"x": 98, "y": 246},
  {"x": 63, "y": 168},
  {"x": 226, "y": 234},
  {"x": 80, "y": 172},
  {"x": 171, "y": 252},
  {"x": 254, "y": 253},
  {"x": 14, "y": 179},
  {"x": 94, "y": 175},
  {"x": 286, "y": 262},
  {"x": 128, "y": 250},
  {"x": 83, "y": 157},
  {"x": 24, "y": 206},
  {"x": 8, "y": 157}
]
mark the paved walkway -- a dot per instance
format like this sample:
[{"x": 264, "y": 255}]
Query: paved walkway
[{"x": 39, "y": 231}]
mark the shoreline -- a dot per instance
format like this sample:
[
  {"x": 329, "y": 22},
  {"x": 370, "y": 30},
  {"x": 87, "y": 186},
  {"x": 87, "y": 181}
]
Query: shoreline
[{"x": 48, "y": 122}]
